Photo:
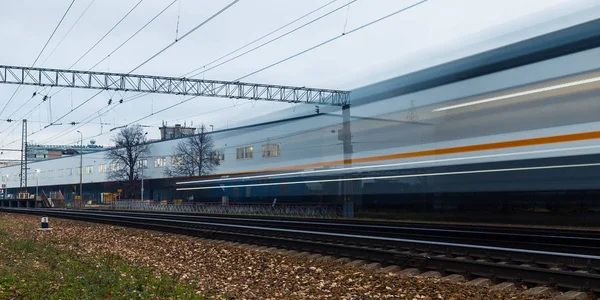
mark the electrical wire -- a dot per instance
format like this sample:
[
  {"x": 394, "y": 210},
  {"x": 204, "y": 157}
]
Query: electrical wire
[
  {"x": 275, "y": 39},
  {"x": 147, "y": 116},
  {"x": 116, "y": 49},
  {"x": 185, "y": 35},
  {"x": 69, "y": 31},
  {"x": 93, "y": 117},
  {"x": 314, "y": 47},
  {"x": 258, "y": 39},
  {"x": 155, "y": 55},
  {"x": 304, "y": 16},
  {"x": 38, "y": 57},
  {"x": 333, "y": 39},
  {"x": 53, "y": 50},
  {"x": 102, "y": 38},
  {"x": 132, "y": 36},
  {"x": 98, "y": 42}
]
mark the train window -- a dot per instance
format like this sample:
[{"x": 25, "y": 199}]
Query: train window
[
  {"x": 271, "y": 150},
  {"x": 244, "y": 152}
]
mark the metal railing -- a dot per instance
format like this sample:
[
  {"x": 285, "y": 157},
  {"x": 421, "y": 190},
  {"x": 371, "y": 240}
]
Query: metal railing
[{"x": 254, "y": 209}]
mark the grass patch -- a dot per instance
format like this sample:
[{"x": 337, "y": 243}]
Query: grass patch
[{"x": 30, "y": 270}]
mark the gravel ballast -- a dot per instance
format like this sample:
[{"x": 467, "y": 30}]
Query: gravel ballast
[{"x": 238, "y": 272}]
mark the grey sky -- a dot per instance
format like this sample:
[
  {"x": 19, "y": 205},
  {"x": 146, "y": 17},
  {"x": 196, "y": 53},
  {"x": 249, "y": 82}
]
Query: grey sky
[{"x": 375, "y": 53}]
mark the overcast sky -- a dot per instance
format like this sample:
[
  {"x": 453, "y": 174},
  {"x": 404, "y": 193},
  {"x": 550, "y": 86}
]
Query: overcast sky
[{"x": 375, "y": 53}]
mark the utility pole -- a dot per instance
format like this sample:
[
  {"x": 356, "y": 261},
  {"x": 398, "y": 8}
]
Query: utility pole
[
  {"x": 37, "y": 183},
  {"x": 142, "y": 165},
  {"x": 80, "y": 167},
  {"x": 346, "y": 137},
  {"x": 23, "y": 178}
]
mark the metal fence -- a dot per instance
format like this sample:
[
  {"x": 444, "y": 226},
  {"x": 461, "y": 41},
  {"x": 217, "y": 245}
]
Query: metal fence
[{"x": 260, "y": 209}]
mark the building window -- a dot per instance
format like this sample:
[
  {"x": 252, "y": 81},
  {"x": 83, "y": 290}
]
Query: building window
[
  {"x": 60, "y": 173},
  {"x": 69, "y": 172},
  {"x": 142, "y": 163},
  {"x": 78, "y": 170},
  {"x": 176, "y": 161},
  {"x": 89, "y": 169},
  {"x": 101, "y": 168},
  {"x": 220, "y": 155},
  {"x": 51, "y": 174},
  {"x": 271, "y": 150},
  {"x": 160, "y": 162},
  {"x": 244, "y": 152},
  {"x": 114, "y": 167}
]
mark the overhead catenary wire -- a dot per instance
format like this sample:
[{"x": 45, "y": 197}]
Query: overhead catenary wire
[
  {"x": 133, "y": 35},
  {"x": 189, "y": 99},
  {"x": 69, "y": 31},
  {"x": 127, "y": 40},
  {"x": 300, "y": 53},
  {"x": 53, "y": 50},
  {"x": 260, "y": 38},
  {"x": 333, "y": 39},
  {"x": 105, "y": 35},
  {"x": 275, "y": 39},
  {"x": 149, "y": 115},
  {"x": 93, "y": 116},
  {"x": 305, "y": 15},
  {"x": 185, "y": 35},
  {"x": 116, "y": 49},
  {"x": 38, "y": 57},
  {"x": 120, "y": 46}
]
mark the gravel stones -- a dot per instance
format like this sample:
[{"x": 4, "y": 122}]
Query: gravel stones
[{"x": 239, "y": 272}]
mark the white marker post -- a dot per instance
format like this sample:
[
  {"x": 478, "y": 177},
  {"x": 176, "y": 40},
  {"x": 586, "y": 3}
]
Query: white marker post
[{"x": 45, "y": 224}]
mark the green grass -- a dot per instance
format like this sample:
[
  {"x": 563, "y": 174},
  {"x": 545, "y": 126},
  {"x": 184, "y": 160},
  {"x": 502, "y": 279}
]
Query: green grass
[{"x": 30, "y": 270}]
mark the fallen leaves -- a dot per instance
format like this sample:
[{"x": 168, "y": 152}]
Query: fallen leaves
[{"x": 236, "y": 271}]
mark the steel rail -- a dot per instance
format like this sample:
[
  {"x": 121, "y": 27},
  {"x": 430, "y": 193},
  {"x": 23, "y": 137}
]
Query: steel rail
[
  {"x": 547, "y": 240},
  {"x": 533, "y": 267}
]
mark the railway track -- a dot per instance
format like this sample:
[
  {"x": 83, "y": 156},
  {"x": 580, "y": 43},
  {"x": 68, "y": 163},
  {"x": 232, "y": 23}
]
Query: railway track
[{"x": 533, "y": 257}]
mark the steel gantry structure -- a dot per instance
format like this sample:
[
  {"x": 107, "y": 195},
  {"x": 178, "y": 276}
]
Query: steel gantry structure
[
  {"x": 178, "y": 86},
  {"x": 170, "y": 85}
]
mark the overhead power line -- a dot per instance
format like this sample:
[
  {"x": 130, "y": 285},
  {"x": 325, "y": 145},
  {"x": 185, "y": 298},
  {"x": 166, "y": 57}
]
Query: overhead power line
[
  {"x": 69, "y": 31},
  {"x": 185, "y": 35},
  {"x": 264, "y": 36},
  {"x": 38, "y": 57},
  {"x": 105, "y": 35},
  {"x": 133, "y": 35},
  {"x": 333, "y": 39},
  {"x": 83, "y": 122}
]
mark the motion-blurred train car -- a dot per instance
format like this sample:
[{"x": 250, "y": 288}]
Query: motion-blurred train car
[{"x": 515, "y": 127}]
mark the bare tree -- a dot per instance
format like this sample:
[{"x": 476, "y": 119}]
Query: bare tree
[
  {"x": 130, "y": 146},
  {"x": 194, "y": 156}
]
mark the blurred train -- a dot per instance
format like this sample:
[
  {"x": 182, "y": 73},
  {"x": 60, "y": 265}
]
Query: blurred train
[{"x": 516, "y": 126}]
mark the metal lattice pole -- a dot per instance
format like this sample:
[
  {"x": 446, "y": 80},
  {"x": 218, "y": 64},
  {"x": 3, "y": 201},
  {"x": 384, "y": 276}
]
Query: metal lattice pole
[{"x": 23, "y": 185}]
